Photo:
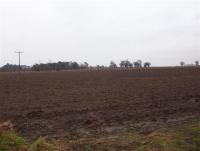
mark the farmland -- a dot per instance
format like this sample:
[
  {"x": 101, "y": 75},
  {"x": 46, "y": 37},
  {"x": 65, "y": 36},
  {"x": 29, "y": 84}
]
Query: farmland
[{"x": 81, "y": 104}]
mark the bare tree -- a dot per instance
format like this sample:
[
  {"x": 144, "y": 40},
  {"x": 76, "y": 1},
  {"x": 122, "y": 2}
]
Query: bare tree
[
  {"x": 147, "y": 64},
  {"x": 113, "y": 64},
  {"x": 86, "y": 64},
  {"x": 182, "y": 63},
  {"x": 197, "y": 63},
  {"x": 138, "y": 64},
  {"x": 126, "y": 64},
  {"x": 122, "y": 64}
]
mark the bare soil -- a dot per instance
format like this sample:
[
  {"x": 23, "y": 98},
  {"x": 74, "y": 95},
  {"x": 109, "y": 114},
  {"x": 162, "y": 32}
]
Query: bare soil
[{"x": 70, "y": 103}]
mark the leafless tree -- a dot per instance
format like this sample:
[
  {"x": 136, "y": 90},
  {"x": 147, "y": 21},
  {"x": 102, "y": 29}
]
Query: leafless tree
[
  {"x": 147, "y": 64},
  {"x": 113, "y": 64},
  {"x": 197, "y": 63},
  {"x": 138, "y": 64},
  {"x": 182, "y": 63},
  {"x": 126, "y": 64}
]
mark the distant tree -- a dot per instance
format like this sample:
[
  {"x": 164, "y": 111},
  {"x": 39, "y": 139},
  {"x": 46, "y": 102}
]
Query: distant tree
[
  {"x": 197, "y": 63},
  {"x": 74, "y": 65},
  {"x": 138, "y": 64},
  {"x": 147, "y": 64},
  {"x": 86, "y": 65},
  {"x": 125, "y": 64},
  {"x": 36, "y": 67},
  {"x": 130, "y": 65},
  {"x": 59, "y": 66},
  {"x": 182, "y": 63},
  {"x": 100, "y": 67},
  {"x": 122, "y": 64},
  {"x": 113, "y": 64},
  {"x": 12, "y": 68}
]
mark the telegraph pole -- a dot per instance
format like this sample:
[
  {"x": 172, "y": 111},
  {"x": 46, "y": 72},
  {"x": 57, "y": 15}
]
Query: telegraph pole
[{"x": 19, "y": 55}]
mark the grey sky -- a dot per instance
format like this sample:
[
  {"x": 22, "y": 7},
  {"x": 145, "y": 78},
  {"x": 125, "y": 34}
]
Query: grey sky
[{"x": 98, "y": 31}]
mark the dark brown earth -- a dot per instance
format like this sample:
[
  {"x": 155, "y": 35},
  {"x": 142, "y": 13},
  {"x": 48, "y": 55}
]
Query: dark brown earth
[{"x": 58, "y": 104}]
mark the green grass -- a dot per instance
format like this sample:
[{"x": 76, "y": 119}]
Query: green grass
[
  {"x": 41, "y": 145},
  {"x": 180, "y": 138},
  {"x": 10, "y": 141},
  {"x": 177, "y": 138}
]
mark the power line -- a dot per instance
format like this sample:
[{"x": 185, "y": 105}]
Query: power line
[{"x": 19, "y": 56}]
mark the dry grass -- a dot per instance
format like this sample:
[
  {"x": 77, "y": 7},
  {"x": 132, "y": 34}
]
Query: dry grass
[
  {"x": 178, "y": 138},
  {"x": 10, "y": 141}
]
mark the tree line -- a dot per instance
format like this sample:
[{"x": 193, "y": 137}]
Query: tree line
[
  {"x": 196, "y": 63},
  {"x": 59, "y": 66},
  {"x": 72, "y": 65},
  {"x": 129, "y": 64}
]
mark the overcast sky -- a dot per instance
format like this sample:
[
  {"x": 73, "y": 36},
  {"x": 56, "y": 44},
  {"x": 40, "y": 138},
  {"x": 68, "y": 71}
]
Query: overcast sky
[{"x": 163, "y": 32}]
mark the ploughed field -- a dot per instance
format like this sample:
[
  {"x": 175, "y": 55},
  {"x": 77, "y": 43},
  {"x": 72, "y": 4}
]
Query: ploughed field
[{"x": 71, "y": 103}]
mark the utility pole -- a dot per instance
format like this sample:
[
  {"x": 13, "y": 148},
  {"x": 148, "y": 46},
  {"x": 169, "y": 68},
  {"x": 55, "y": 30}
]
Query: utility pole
[{"x": 19, "y": 55}]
